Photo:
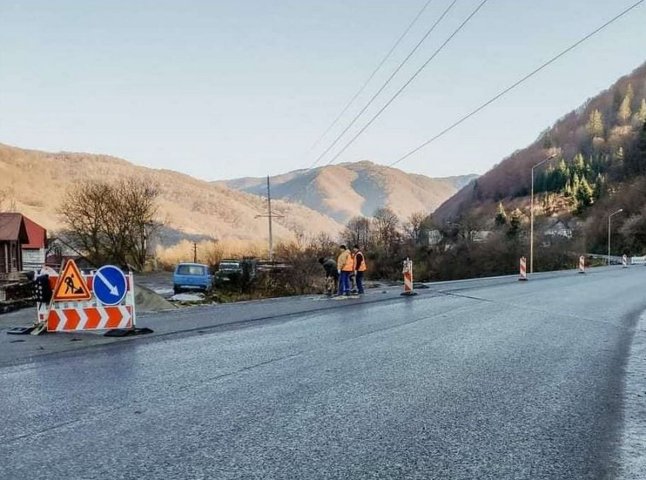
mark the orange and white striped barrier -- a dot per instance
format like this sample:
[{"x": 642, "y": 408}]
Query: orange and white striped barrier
[
  {"x": 90, "y": 318},
  {"x": 582, "y": 264},
  {"x": 624, "y": 261},
  {"x": 408, "y": 278},
  {"x": 523, "y": 269}
]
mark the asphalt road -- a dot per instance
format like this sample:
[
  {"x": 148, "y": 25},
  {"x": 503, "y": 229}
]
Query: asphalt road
[{"x": 494, "y": 379}]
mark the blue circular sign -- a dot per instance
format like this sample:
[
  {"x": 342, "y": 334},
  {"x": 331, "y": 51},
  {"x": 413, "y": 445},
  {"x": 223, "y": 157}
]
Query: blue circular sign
[{"x": 110, "y": 285}]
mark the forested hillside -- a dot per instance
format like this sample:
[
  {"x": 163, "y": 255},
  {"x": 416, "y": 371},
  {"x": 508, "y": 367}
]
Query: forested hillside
[{"x": 596, "y": 162}]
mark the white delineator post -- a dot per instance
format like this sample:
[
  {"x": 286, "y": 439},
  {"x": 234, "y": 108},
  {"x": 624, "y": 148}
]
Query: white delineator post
[
  {"x": 582, "y": 264},
  {"x": 523, "y": 269},
  {"x": 624, "y": 261},
  {"x": 408, "y": 278}
]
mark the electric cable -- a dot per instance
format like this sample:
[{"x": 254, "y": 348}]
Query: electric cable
[{"x": 517, "y": 83}]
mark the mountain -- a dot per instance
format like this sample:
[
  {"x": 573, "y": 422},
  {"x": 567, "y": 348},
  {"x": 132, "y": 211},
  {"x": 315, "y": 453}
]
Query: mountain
[
  {"x": 350, "y": 189},
  {"x": 34, "y": 183},
  {"x": 593, "y": 152}
]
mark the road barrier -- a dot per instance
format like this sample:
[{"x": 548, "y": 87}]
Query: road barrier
[
  {"x": 408, "y": 278},
  {"x": 638, "y": 260},
  {"x": 523, "y": 269},
  {"x": 624, "y": 261},
  {"x": 72, "y": 302},
  {"x": 582, "y": 264}
]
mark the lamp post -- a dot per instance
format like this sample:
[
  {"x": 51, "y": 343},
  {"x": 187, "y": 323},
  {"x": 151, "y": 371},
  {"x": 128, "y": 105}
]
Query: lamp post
[
  {"x": 609, "y": 217},
  {"x": 531, "y": 216}
]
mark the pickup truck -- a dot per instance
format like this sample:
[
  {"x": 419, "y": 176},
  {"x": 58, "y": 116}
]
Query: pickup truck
[{"x": 192, "y": 276}]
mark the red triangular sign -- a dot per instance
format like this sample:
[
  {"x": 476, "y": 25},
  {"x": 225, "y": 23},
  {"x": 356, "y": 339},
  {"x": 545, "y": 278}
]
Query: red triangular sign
[{"x": 71, "y": 286}]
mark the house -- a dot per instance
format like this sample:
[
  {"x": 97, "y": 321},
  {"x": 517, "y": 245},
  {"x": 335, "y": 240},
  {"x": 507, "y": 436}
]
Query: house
[
  {"x": 13, "y": 234},
  {"x": 558, "y": 228},
  {"x": 434, "y": 237},
  {"x": 35, "y": 250}
]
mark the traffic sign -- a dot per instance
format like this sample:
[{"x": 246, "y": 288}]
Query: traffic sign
[
  {"x": 110, "y": 285},
  {"x": 71, "y": 286}
]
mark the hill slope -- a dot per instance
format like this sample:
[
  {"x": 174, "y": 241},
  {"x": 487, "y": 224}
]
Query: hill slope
[
  {"x": 34, "y": 183},
  {"x": 349, "y": 189},
  {"x": 599, "y": 137}
]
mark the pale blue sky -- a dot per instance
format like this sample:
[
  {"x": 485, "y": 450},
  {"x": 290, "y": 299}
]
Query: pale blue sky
[{"x": 221, "y": 89}]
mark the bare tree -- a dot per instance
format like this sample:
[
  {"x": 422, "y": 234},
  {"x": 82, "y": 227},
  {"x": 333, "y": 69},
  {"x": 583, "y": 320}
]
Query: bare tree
[
  {"x": 358, "y": 231},
  {"x": 416, "y": 227},
  {"x": 112, "y": 222},
  {"x": 386, "y": 226}
]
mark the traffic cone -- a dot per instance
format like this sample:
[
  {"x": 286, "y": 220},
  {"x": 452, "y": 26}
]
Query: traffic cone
[{"x": 523, "y": 269}]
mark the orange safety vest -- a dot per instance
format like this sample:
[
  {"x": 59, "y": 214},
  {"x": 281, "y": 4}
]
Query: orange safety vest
[
  {"x": 363, "y": 267},
  {"x": 348, "y": 261}
]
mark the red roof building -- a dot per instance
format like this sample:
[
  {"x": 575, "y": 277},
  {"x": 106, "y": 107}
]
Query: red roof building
[
  {"x": 23, "y": 243},
  {"x": 13, "y": 234}
]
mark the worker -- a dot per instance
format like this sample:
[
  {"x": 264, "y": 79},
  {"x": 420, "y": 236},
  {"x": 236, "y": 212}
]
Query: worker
[
  {"x": 359, "y": 268},
  {"x": 331, "y": 275},
  {"x": 345, "y": 267}
]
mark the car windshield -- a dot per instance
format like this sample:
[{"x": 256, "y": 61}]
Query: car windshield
[
  {"x": 229, "y": 266},
  {"x": 190, "y": 270}
]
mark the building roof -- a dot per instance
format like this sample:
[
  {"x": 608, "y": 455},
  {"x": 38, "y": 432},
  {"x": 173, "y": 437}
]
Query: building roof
[
  {"x": 12, "y": 228},
  {"x": 37, "y": 234}
]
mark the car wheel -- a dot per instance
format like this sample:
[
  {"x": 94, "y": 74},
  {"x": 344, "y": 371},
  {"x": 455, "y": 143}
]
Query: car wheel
[{"x": 176, "y": 289}]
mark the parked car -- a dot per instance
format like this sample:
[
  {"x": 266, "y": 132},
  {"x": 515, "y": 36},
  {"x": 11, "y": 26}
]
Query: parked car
[
  {"x": 235, "y": 271},
  {"x": 192, "y": 276}
]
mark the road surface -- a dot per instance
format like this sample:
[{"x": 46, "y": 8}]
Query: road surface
[{"x": 489, "y": 379}]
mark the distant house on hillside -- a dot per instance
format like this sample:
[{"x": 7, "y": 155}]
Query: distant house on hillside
[
  {"x": 434, "y": 237},
  {"x": 558, "y": 228},
  {"x": 35, "y": 251},
  {"x": 13, "y": 234}
]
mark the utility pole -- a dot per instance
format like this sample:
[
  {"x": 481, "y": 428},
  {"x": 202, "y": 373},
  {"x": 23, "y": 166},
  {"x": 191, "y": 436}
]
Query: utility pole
[
  {"x": 194, "y": 252},
  {"x": 270, "y": 216}
]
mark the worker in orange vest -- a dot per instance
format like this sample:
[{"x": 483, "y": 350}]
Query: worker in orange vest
[
  {"x": 359, "y": 268},
  {"x": 345, "y": 266}
]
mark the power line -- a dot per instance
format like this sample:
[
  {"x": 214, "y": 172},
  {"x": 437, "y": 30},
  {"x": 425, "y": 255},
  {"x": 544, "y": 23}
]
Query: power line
[
  {"x": 381, "y": 89},
  {"x": 410, "y": 80},
  {"x": 374, "y": 72},
  {"x": 519, "y": 82}
]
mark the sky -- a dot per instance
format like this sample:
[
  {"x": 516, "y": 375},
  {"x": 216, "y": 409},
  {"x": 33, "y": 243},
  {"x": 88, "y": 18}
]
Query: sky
[{"x": 230, "y": 88}]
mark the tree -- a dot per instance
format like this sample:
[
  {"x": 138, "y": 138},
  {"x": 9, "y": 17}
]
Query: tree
[
  {"x": 515, "y": 223},
  {"x": 111, "y": 222},
  {"x": 386, "y": 224},
  {"x": 501, "y": 215},
  {"x": 640, "y": 115},
  {"x": 595, "y": 125},
  {"x": 625, "y": 110},
  {"x": 358, "y": 231},
  {"x": 584, "y": 194},
  {"x": 416, "y": 227}
]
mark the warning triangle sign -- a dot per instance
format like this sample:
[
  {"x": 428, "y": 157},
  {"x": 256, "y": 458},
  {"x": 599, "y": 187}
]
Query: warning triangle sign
[{"x": 71, "y": 285}]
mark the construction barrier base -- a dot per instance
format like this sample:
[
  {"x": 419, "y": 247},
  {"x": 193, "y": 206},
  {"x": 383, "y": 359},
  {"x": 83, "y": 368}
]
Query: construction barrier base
[
  {"x": 127, "y": 332},
  {"x": 21, "y": 330},
  {"x": 408, "y": 294}
]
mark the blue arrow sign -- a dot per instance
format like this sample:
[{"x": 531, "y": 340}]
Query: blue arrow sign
[{"x": 110, "y": 285}]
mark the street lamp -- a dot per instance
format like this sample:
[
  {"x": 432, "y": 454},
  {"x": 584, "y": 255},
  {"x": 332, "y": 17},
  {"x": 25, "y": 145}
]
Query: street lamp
[
  {"x": 609, "y": 217},
  {"x": 531, "y": 216}
]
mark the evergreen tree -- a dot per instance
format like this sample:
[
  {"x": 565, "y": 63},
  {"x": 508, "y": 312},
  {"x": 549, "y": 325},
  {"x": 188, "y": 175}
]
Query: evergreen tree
[
  {"x": 640, "y": 115},
  {"x": 624, "y": 113},
  {"x": 584, "y": 194},
  {"x": 567, "y": 189},
  {"x": 599, "y": 187},
  {"x": 595, "y": 125},
  {"x": 515, "y": 223},
  {"x": 501, "y": 216},
  {"x": 579, "y": 165}
]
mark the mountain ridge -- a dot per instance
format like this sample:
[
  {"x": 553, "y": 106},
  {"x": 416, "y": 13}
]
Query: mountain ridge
[{"x": 353, "y": 189}]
